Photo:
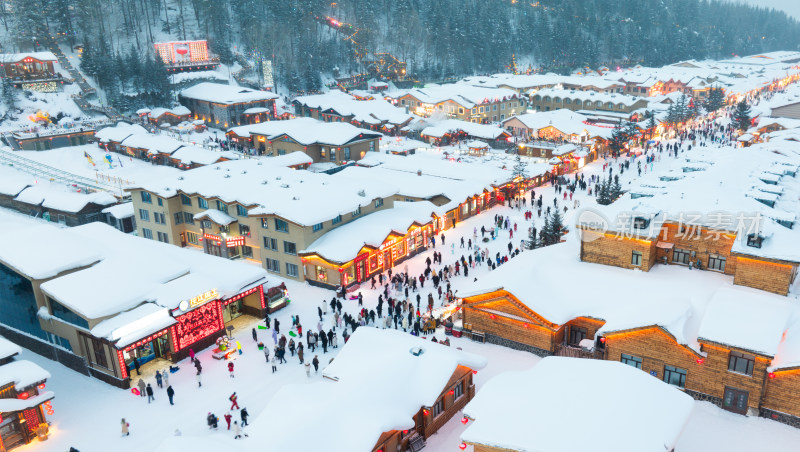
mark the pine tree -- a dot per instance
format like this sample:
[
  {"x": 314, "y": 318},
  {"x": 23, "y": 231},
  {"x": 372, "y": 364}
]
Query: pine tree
[
  {"x": 554, "y": 227},
  {"x": 651, "y": 126},
  {"x": 615, "y": 191},
  {"x": 604, "y": 193},
  {"x": 618, "y": 139},
  {"x": 741, "y": 116},
  {"x": 715, "y": 101},
  {"x": 520, "y": 169},
  {"x": 9, "y": 94}
]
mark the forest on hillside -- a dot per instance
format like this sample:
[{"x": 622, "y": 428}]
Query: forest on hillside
[{"x": 438, "y": 39}]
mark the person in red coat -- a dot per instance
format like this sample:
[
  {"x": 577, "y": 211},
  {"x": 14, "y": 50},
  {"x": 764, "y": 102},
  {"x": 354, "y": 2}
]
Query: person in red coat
[
  {"x": 230, "y": 368},
  {"x": 228, "y": 418},
  {"x": 234, "y": 401}
]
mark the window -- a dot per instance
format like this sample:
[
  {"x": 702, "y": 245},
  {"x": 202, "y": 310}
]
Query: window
[
  {"x": 244, "y": 230},
  {"x": 99, "y": 353},
  {"x": 675, "y": 376},
  {"x": 322, "y": 152},
  {"x": 460, "y": 110},
  {"x": 378, "y": 202},
  {"x": 337, "y": 219},
  {"x": 225, "y": 228},
  {"x": 640, "y": 223},
  {"x": 322, "y": 273},
  {"x": 289, "y": 248},
  {"x": 754, "y": 240},
  {"x": 494, "y": 107},
  {"x": 206, "y": 224},
  {"x": 333, "y": 154},
  {"x": 159, "y": 218},
  {"x": 192, "y": 238},
  {"x": 357, "y": 212},
  {"x": 148, "y": 234},
  {"x": 144, "y": 215},
  {"x": 160, "y": 201},
  {"x": 188, "y": 218},
  {"x": 458, "y": 391},
  {"x": 680, "y": 256},
  {"x": 716, "y": 262},
  {"x": 62, "y": 312},
  {"x": 735, "y": 400},
  {"x": 437, "y": 408},
  {"x": 576, "y": 335},
  {"x": 273, "y": 265},
  {"x": 741, "y": 363},
  {"x": 502, "y": 106},
  {"x": 291, "y": 269},
  {"x": 346, "y": 153},
  {"x": 247, "y": 251},
  {"x": 634, "y": 361},
  {"x": 317, "y": 227},
  {"x": 281, "y": 225},
  {"x": 636, "y": 258},
  {"x": 241, "y": 210},
  {"x": 186, "y": 201},
  {"x": 271, "y": 244},
  {"x": 178, "y": 218},
  {"x": 202, "y": 203},
  {"x": 146, "y": 197},
  {"x": 222, "y": 207},
  {"x": 265, "y": 223},
  {"x": 162, "y": 237}
]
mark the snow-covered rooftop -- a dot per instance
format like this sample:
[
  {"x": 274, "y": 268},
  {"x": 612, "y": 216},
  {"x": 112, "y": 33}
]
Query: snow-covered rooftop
[
  {"x": 267, "y": 187},
  {"x": 120, "y": 211},
  {"x": 376, "y": 366},
  {"x": 8, "y": 348},
  {"x": 463, "y": 94},
  {"x": 307, "y": 131},
  {"x": 16, "y": 57},
  {"x": 438, "y": 129},
  {"x": 53, "y": 196},
  {"x": 219, "y": 93},
  {"x": 119, "y": 132},
  {"x": 370, "y": 112},
  {"x": 526, "y": 410},
  {"x": 22, "y": 374}
]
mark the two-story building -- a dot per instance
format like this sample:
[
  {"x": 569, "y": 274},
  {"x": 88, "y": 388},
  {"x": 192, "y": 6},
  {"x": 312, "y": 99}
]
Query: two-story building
[
  {"x": 463, "y": 101},
  {"x": 223, "y": 106},
  {"x": 553, "y": 99},
  {"x": 336, "y": 106},
  {"x": 325, "y": 142}
]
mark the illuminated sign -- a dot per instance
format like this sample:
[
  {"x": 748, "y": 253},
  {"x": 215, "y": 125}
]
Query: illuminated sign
[
  {"x": 234, "y": 241},
  {"x": 196, "y": 325},
  {"x": 213, "y": 237},
  {"x": 202, "y": 298}
]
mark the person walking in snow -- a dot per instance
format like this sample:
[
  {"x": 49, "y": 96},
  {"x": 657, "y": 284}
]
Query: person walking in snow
[
  {"x": 266, "y": 353},
  {"x": 150, "y": 393},
  {"x": 197, "y": 377},
  {"x": 291, "y": 346},
  {"x": 244, "y": 414},
  {"x": 234, "y": 401},
  {"x": 165, "y": 376},
  {"x": 300, "y": 352},
  {"x": 308, "y": 370},
  {"x": 158, "y": 379},
  {"x": 142, "y": 388},
  {"x": 212, "y": 421},
  {"x": 237, "y": 431},
  {"x": 228, "y": 418},
  {"x": 255, "y": 335},
  {"x": 274, "y": 364},
  {"x": 275, "y": 335},
  {"x": 198, "y": 366},
  {"x": 239, "y": 347},
  {"x": 125, "y": 427},
  {"x": 315, "y": 361},
  {"x": 170, "y": 394},
  {"x": 230, "y": 368}
]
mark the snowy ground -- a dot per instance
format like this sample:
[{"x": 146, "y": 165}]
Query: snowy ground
[{"x": 88, "y": 412}]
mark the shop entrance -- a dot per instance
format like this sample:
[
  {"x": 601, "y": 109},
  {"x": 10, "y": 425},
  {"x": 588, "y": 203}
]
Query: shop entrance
[
  {"x": 387, "y": 260},
  {"x": 232, "y": 311},
  {"x": 361, "y": 270},
  {"x": 151, "y": 352},
  {"x": 215, "y": 250},
  {"x": 10, "y": 433}
]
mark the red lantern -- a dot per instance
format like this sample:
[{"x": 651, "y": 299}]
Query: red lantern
[
  {"x": 474, "y": 372},
  {"x": 700, "y": 360},
  {"x": 452, "y": 392},
  {"x": 492, "y": 316},
  {"x": 462, "y": 446},
  {"x": 602, "y": 340},
  {"x": 41, "y": 386},
  {"x": 181, "y": 51},
  {"x": 771, "y": 375},
  {"x": 464, "y": 420},
  {"x": 405, "y": 432},
  {"x": 425, "y": 412},
  {"x": 23, "y": 395}
]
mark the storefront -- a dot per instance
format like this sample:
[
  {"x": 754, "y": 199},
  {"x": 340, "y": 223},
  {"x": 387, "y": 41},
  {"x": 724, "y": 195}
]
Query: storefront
[
  {"x": 147, "y": 350},
  {"x": 370, "y": 260}
]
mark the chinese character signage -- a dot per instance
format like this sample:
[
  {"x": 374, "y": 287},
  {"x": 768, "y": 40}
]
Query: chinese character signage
[{"x": 197, "y": 324}]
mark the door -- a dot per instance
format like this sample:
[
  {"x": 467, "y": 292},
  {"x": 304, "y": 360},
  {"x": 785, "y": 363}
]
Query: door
[
  {"x": 735, "y": 400},
  {"x": 387, "y": 260},
  {"x": 10, "y": 432}
]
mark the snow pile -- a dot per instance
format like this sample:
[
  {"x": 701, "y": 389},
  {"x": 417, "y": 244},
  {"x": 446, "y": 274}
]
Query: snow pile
[
  {"x": 626, "y": 410},
  {"x": 375, "y": 366}
]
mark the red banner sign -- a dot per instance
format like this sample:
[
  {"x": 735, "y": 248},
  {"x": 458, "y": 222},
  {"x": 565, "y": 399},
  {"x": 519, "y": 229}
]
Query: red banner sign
[{"x": 197, "y": 324}]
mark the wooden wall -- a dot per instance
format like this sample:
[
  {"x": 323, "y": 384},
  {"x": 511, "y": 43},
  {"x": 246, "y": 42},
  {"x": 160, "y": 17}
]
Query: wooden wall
[
  {"x": 763, "y": 275},
  {"x": 609, "y": 250}
]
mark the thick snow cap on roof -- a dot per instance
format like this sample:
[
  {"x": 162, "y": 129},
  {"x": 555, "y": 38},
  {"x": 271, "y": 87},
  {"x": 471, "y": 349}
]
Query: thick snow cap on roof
[
  {"x": 438, "y": 129},
  {"x": 119, "y": 132},
  {"x": 525, "y": 410},
  {"x": 307, "y": 131},
  {"x": 22, "y": 374},
  {"x": 15, "y": 57},
  {"x": 8, "y": 348},
  {"x": 120, "y": 211},
  {"x": 375, "y": 365},
  {"x": 225, "y": 94},
  {"x": 747, "y": 318},
  {"x": 56, "y": 197}
]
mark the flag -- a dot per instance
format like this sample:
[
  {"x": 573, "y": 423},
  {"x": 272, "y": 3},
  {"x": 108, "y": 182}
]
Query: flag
[{"x": 89, "y": 158}]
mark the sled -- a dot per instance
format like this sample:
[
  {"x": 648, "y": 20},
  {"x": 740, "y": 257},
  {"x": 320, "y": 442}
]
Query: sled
[
  {"x": 135, "y": 391},
  {"x": 262, "y": 327},
  {"x": 292, "y": 333}
]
